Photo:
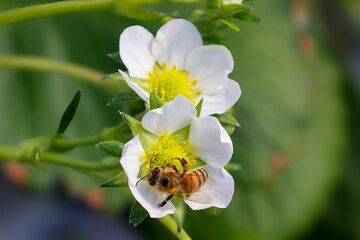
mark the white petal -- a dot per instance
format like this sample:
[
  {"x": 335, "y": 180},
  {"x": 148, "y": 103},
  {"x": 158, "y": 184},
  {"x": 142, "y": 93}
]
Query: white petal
[
  {"x": 174, "y": 41},
  {"x": 135, "y": 87},
  {"x": 171, "y": 117},
  {"x": 220, "y": 193},
  {"x": 210, "y": 141},
  {"x": 210, "y": 66},
  {"x": 131, "y": 159},
  {"x": 134, "y": 45},
  {"x": 222, "y": 100},
  {"x": 149, "y": 198}
]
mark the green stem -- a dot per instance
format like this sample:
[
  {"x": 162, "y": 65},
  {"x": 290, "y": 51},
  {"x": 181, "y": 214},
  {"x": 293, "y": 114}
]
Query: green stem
[
  {"x": 8, "y": 153},
  {"x": 55, "y": 8},
  {"x": 170, "y": 223},
  {"x": 69, "y": 143},
  {"x": 60, "y": 159},
  {"x": 47, "y": 65}
]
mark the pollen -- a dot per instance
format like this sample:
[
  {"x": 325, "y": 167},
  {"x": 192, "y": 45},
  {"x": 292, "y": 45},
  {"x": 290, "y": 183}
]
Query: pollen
[
  {"x": 168, "y": 83},
  {"x": 169, "y": 151}
]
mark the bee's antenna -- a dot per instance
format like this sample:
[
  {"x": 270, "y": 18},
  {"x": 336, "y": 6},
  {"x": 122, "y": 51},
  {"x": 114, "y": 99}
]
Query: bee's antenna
[{"x": 140, "y": 180}]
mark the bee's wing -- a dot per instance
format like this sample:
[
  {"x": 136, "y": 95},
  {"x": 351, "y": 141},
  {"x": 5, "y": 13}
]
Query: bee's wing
[{"x": 199, "y": 197}]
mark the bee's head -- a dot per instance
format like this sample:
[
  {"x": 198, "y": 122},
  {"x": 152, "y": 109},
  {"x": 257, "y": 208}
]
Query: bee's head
[
  {"x": 164, "y": 181},
  {"x": 153, "y": 174}
]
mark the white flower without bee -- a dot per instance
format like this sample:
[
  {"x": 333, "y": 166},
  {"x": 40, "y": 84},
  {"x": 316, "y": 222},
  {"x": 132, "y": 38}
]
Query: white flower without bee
[
  {"x": 175, "y": 62},
  {"x": 181, "y": 142}
]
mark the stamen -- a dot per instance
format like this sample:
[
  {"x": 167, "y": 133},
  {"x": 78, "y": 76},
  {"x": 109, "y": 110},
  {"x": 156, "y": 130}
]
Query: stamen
[
  {"x": 193, "y": 156},
  {"x": 168, "y": 151},
  {"x": 168, "y": 83},
  {"x": 193, "y": 83}
]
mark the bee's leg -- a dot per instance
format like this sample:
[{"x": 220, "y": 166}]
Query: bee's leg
[
  {"x": 173, "y": 167},
  {"x": 165, "y": 201},
  {"x": 184, "y": 164}
]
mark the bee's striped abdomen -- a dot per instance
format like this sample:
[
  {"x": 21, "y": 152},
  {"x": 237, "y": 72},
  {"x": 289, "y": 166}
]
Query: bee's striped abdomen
[{"x": 194, "y": 180}]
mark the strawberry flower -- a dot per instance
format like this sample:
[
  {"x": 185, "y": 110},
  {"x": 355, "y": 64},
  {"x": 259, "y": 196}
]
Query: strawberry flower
[
  {"x": 174, "y": 132},
  {"x": 175, "y": 62}
]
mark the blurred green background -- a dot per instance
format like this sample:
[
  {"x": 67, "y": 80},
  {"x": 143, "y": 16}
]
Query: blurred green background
[{"x": 298, "y": 143}]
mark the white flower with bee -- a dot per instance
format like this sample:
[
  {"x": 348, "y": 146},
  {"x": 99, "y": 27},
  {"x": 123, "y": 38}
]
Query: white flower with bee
[
  {"x": 175, "y": 62},
  {"x": 179, "y": 155}
]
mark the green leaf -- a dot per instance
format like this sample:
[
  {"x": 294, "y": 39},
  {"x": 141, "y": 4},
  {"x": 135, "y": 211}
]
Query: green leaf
[
  {"x": 111, "y": 147},
  {"x": 125, "y": 96},
  {"x": 248, "y": 15},
  {"x": 120, "y": 180},
  {"x": 137, "y": 214},
  {"x": 69, "y": 113},
  {"x": 227, "y": 118},
  {"x": 117, "y": 77},
  {"x": 155, "y": 101},
  {"x": 226, "y": 11},
  {"x": 198, "y": 107},
  {"x": 230, "y": 24}
]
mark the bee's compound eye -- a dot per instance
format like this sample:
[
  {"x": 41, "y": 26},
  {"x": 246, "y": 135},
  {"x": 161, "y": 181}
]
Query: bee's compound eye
[
  {"x": 157, "y": 170},
  {"x": 164, "y": 182}
]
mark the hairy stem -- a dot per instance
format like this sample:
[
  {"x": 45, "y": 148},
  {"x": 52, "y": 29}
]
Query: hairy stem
[
  {"x": 170, "y": 223},
  {"x": 70, "y": 143},
  {"x": 47, "y": 65},
  {"x": 55, "y": 8},
  {"x": 11, "y": 153}
]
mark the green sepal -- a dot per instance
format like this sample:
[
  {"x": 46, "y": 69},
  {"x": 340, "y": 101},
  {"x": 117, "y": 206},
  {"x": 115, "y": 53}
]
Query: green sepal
[
  {"x": 226, "y": 11},
  {"x": 230, "y": 24},
  {"x": 69, "y": 113},
  {"x": 213, "y": 211},
  {"x": 111, "y": 147},
  {"x": 198, "y": 107},
  {"x": 183, "y": 133},
  {"x": 233, "y": 167},
  {"x": 211, "y": 4},
  {"x": 120, "y": 180},
  {"x": 36, "y": 160},
  {"x": 147, "y": 138},
  {"x": 134, "y": 124},
  {"x": 227, "y": 118},
  {"x": 155, "y": 101},
  {"x": 247, "y": 15},
  {"x": 125, "y": 96},
  {"x": 116, "y": 56},
  {"x": 229, "y": 129},
  {"x": 117, "y": 77},
  {"x": 137, "y": 214}
]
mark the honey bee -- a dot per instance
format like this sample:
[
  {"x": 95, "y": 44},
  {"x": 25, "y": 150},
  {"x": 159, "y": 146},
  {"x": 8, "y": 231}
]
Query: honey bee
[{"x": 168, "y": 180}]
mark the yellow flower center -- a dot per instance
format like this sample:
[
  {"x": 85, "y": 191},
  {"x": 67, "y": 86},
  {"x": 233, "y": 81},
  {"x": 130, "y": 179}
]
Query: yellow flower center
[
  {"x": 168, "y": 151},
  {"x": 169, "y": 83}
]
